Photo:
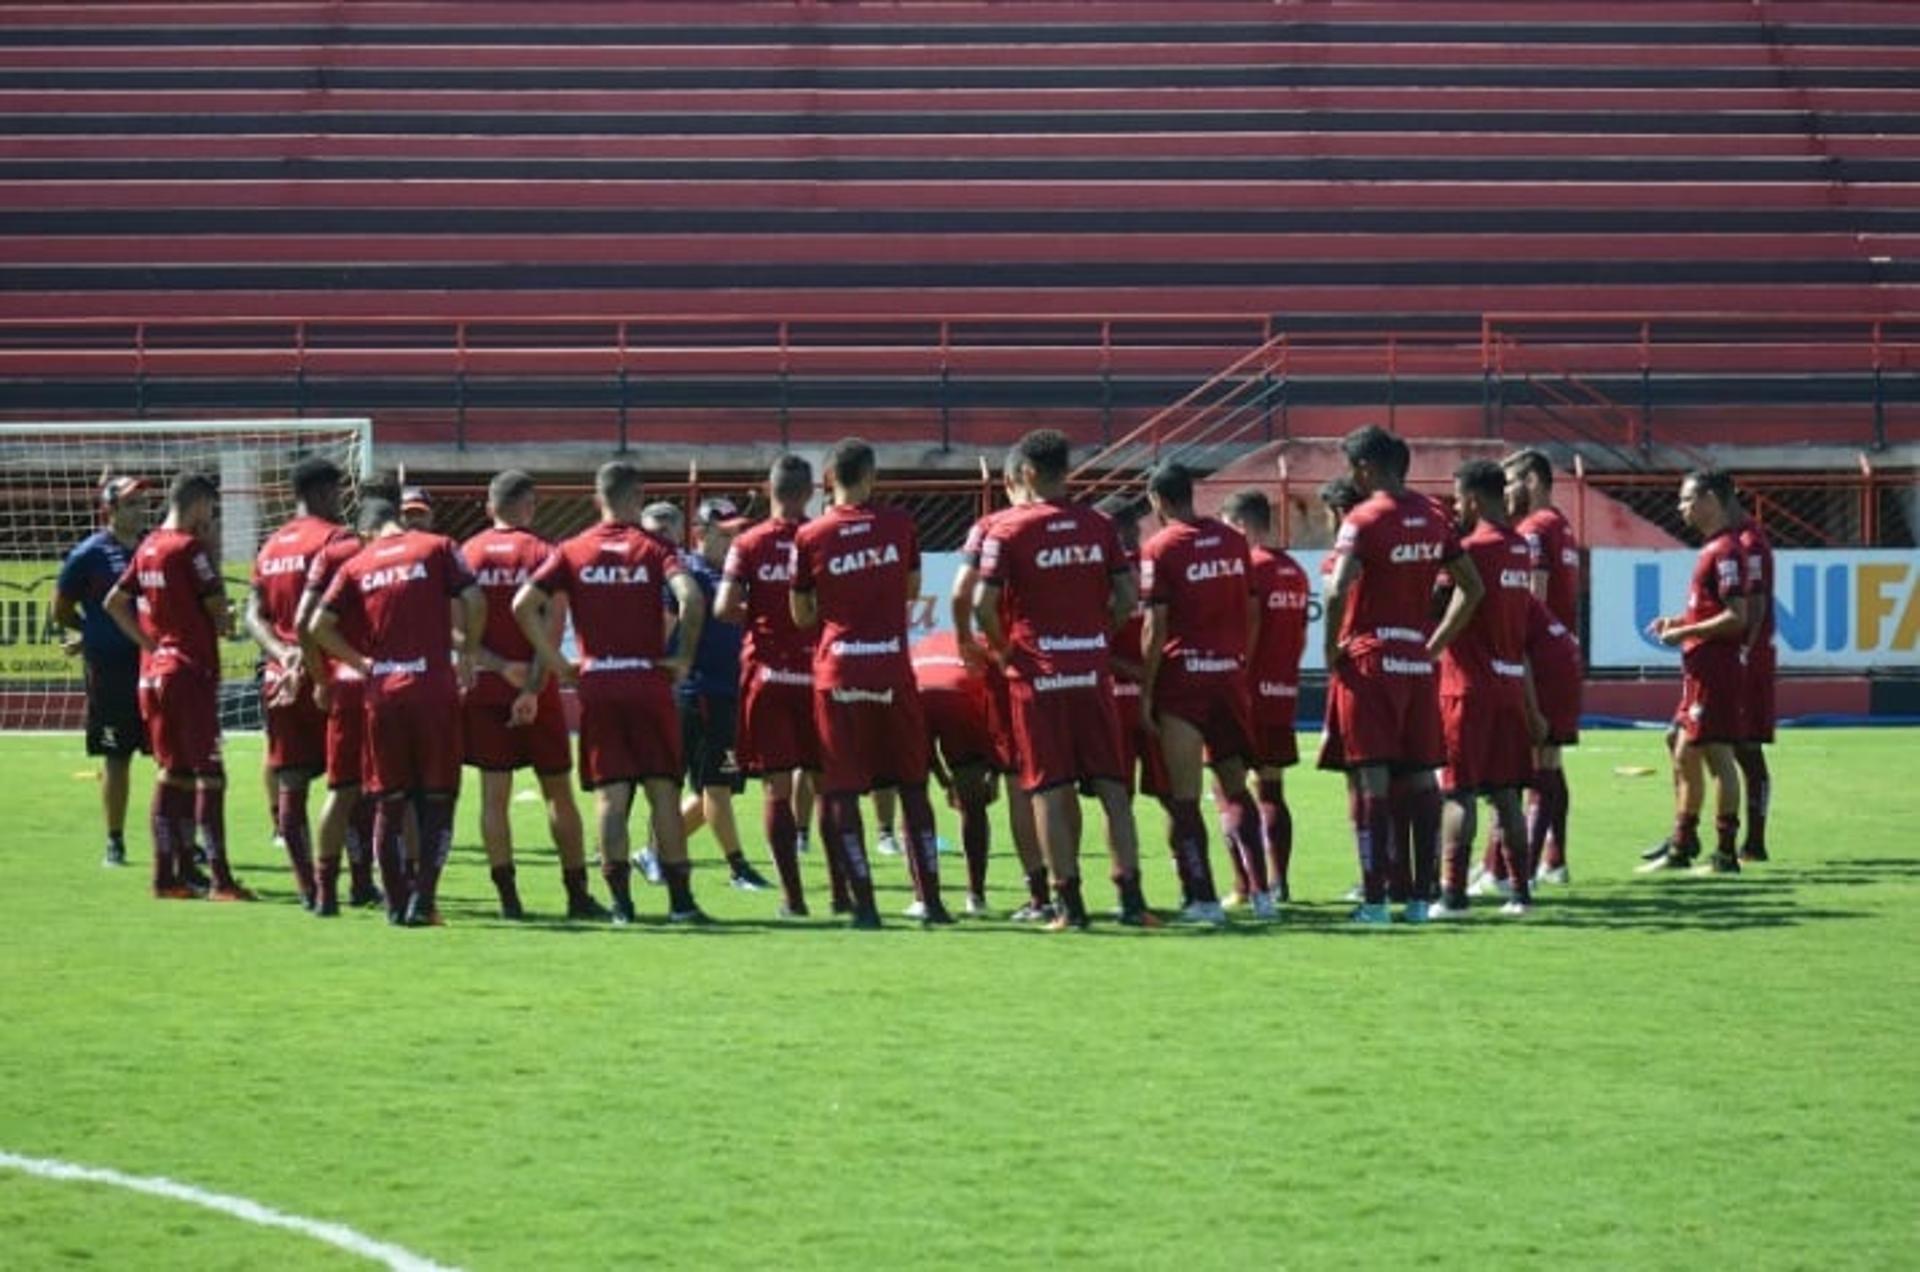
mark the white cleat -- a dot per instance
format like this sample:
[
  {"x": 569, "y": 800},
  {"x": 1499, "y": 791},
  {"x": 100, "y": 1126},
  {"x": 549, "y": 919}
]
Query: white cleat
[
  {"x": 1553, "y": 874},
  {"x": 1371, "y": 915},
  {"x": 1204, "y": 914},
  {"x": 1484, "y": 884},
  {"x": 1415, "y": 912},
  {"x": 1264, "y": 907},
  {"x": 916, "y": 911},
  {"x": 1235, "y": 900},
  {"x": 1516, "y": 909},
  {"x": 1031, "y": 913},
  {"x": 1355, "y": 894},
  {"x": 887, "y": 845},
  {"x": 1441, "y": 912},
  {"x": 977, "y": 907},
  {"x": 649, "y": 863}
]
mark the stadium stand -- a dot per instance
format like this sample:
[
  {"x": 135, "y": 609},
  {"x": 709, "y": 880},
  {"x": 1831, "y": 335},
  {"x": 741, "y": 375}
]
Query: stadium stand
[{"x": 489, "y": 223}]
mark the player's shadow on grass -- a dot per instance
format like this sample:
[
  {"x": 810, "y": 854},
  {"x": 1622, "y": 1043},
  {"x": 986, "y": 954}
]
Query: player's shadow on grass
[
  {"x": 1702, "y": 905},
  {"x": 1850, "y": 871}
]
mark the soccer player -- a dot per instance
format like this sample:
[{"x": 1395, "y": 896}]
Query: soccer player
[
  {"x": 953, "y": 694},
  {"x": 1383, "y": 708},
  {"x": 1021, "y": 814},
  {"x": 1054, "y": 583},
  {"x": 1762, "y": 666},
  {"x": 182, "y": 613},
  {"x": 504, "y": 727},
  {"x": 112, "y": 662},
  {"x": 855, "y": 567},
  {"x": 1197, "y": 578},
  {"x": 1488, "y": 710},
  {"x": 1553, "y": 658},
  {"x": 296, "y": 725},
  {"x": 614, "y": 578},
  {"x": 346, "y": 818},
  {"x": 399, "y": 596},
  {"x": 775, "y": 739},
  {"x": 1273, "y": 679},
  {"x": 708, "y": 696},
  {"x": 1711, "y": 634}
]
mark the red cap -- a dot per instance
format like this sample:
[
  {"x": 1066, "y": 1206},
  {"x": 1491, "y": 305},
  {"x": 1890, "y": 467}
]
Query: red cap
[{"x": 114, "y": 489}]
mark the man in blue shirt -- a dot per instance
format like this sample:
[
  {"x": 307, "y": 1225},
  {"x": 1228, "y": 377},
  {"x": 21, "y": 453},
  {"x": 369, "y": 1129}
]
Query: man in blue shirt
[
  {"x": 114, "y": 729},
  {"x": 709, "y": 696}
]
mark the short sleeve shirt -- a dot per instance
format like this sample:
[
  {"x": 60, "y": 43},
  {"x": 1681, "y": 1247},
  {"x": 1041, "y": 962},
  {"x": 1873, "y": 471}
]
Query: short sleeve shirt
[
  {"x": 1556, "y": 554},
  {"x": 1491, "y": 650},
  {"x": 1399, "y": 540},
  {"x": 1756, "y": 552},
  {"x": 857, "y": 560},
  {"x": 1282, "y": 590},
  {"x": 86, "y": 576},
  {"x": 761, "y": 561},
  {"x": 1719, "y": 575},
  {"x": 503, "y": 559},
  {"x": 1054, "y": 565},
  {"x": 396, "y": 592},
  {"x": 1203, "y": 573},
  {"x": 280, "y": 569},
  {"x": 169, "y": 578},
  {"x": 613, "y": 576}
]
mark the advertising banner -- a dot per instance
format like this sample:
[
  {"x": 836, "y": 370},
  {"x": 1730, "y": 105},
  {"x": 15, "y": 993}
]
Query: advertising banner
[
  {"x": 30, "y": 641},
  {"x": 1838, "y": 608}
]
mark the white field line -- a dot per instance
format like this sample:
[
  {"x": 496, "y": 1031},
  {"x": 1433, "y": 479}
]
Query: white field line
[{"x": 333, "y": 1234}]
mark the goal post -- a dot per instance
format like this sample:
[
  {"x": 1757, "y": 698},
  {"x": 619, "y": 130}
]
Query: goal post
[{"x": 50, "y": 479}]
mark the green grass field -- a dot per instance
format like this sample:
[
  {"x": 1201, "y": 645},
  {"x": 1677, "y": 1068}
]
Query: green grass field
[{"x": 1686, "y": 1072}]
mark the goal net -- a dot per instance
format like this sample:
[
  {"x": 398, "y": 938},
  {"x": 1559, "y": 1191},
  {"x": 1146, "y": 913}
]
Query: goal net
[{"x": 50, "y": 480}]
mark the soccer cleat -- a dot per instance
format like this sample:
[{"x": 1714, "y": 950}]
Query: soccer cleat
[
  {"x": 1204, "y": 914},
  {"x": 231, "y": 892},
  {"x": 175, "y": 892},
  {"x": 887, "y": 845},
  {"x": 976, "y": 907},
  {"x": 1136, "y": 918},
  {"x": 936, "y": 915},
  {"x": 692, "y": 916},
  {"x": 916, "y": 911},
  {"x": 747, "y": 879},
  {"x": 1234, "y": 900},
  {"x": 1067, "y": 923},
  {"x": 1484, "y": 884},
  {"x": 799, "y": 911},
  {"x": 328, "y": 909},
  {"x": 587, "y": 908},
  {"x": 1720, "y": 863},
  {"x": 199, "y": 880},
  {"x": 1553, "y": 874},
  {"x": 362, "y": 897},
  {"x": 396, "y": 917},
  {"x": 1658, "y": 851},
  {"x": 1415, "y": 912},
  {"x": 649, "y": 863},
  {"x": 802, "y": 846},
  {"x": 1516, "y": 909},
  {"x": 1753, "y": 855},
  {"x": 1447, "y": 909},
  {"x": 841, "y": 905},
  {"x": 621, "y": 913},
  {"x": 1355, "y": 894},
  {"x": 1371, "y": 915},
  {"x": 423, "y": 913},
  {"x": 865, "y": 921},
  {"x": 1670, "y": 860},
  {"x": 511, "y": 909},
  {"x": 1264, "y": 907},
  {"x": 116, "y": 854},
  {"x": 1031, "y": 913}
]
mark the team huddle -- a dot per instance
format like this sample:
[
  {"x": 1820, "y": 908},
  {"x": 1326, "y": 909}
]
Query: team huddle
[{"x": 1082, "y": 663}]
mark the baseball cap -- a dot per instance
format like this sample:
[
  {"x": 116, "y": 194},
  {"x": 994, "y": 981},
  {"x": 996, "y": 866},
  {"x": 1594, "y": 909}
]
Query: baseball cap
[
  {"x": 114, "y": 489},
  {"x": 415, "y": 499},
  {"x": 722, "y": 513}
]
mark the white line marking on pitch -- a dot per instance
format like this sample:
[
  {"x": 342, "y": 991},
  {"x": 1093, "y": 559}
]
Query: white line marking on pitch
[{"x": 333, "y": 1234}]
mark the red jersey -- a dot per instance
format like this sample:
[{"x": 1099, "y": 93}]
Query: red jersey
[
  {"x": 761, "y": 561},
  {"x": 1552, "y": 648},
  {"x": 501, "y": 560},
  {"x": 1556, "y": 554},
  {"x": 396, "y": 591},
  {"x": 613, "y": 576},
  {"x": 1202, "y": 572},
  {"x": 280, "y": 569},
  {"x": 1756, "y": 551},
  {"x": 1127, "y": 640},
  {"x": 321, "y": 570},
  {"x": 938, "y": 667},
  {"x": 1492, "y": 649},
  {"x": 1719, "y": 575},
  {"x": 169, "y": 578},
  {"x": 857, "y": 560},
  {"x": 1054, "y": 565},
  {"x": 1398, "y": 541},
  {"x": 1282, "y": 589}
]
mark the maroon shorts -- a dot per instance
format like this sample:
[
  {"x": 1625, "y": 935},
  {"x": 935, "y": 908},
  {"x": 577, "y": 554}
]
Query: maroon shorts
[
  {"x": 1139, "y": 754},
  {"x": 1488, "y": 748},
  {"x": 776, "y": 725},
  {"x": 629, "y": 732},
  {"x": 1762, "y": 667},
  {"x": 1381, "y": 716},
  {"x": 1275, "y": 744},
  {"x": 1215, "y": 704},
  {"x": 412, "y": 743},
  {"x": 181, "y": 709},
  {"x": 1006, "y": 740},
  {"x": 1559, "y": 699},
  {"x": 493, "y": 744},
  {"x": 1713, "y": 683},
  {"x": 346, "y": 735},
  {"x": 1069, "y": 733},
  {"x": 870, "y": 739},
  {"x": 957, "y": 723},
  {"x": 297, "y": 732}
]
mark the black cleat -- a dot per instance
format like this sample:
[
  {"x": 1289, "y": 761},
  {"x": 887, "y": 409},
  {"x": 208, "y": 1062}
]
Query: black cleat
[
  {"x": 621, "y": 914},
  {"x": 116, "y": 854},
  {"x": 1137, "y": 918},
  {"x": 1720, "y": 863},
  {"x": 511, "y": 909},
  {"x": 587, "y": 909},
  {"x": 794, "y": 911},
  {"x": 364, "y": 898},
  {"x": 327, "y": 909},
  {"x": 1658, "y": 851},
  {"x": 198, "y": 880},
  {"x": 692, "y": 916},
  {"x": 747, "y": 879},
  {"x": 937, "y": 915},
  {"x": 865, "y": 921},
  {"x": 1753, "y": 855},
  {"x": 423, "y": 913},
  {"x": 1671, "y": 860},
  {"x": 396, "y": 917},
  {"x": 842, "y": 905}
]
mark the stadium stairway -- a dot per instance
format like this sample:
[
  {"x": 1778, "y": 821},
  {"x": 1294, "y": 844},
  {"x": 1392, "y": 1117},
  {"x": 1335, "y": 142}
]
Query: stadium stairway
[{"x": 1316, "y": 166}]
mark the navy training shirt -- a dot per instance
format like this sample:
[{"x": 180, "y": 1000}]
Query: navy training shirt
[
  {"x": 716, "y": 663},
  {"x": 86, "y": 576}
]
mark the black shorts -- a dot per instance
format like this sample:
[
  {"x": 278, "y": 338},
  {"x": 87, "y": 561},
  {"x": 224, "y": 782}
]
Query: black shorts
[
  {"x": 114, "y": 727},
  {"x": 706, "y": 740}
]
